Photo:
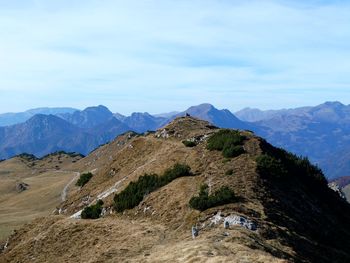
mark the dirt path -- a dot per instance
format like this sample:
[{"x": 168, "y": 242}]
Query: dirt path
[
  {"x": 102, "y": 195},
  {"x": 65, "y": 189}
]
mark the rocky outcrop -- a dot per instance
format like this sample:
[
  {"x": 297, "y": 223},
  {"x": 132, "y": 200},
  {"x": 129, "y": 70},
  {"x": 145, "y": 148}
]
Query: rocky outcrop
[
  {"x": 20, "y": 187},
  {"x": 336, "y": 188}
]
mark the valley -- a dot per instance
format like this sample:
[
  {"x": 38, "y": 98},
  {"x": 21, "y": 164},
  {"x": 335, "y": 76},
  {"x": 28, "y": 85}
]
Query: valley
[{"x": 32, "y": 188}]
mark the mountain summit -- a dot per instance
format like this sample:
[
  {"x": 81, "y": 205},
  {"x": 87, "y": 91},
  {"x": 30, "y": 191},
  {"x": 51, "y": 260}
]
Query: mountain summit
[
  {"x": 191, "y": 192},
  {"x": 89, "y": 117},
  {"x": 221, "y": 118}
]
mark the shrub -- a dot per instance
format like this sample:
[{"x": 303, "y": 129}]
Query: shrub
[
  {"x": 204, "y": 201},
  {"x": 228, "y": 141},
  {"x": 27, "y": 156},
  {"x": 84, "y": 179},
  {"x": 268, "y": 165},
  {"x": 134, "y": 193},
  {"x": 232, "y": 151},
  {"x": 278, "y": 162},
  {"x": 93, "y": 211},
  {"x": 229, "y": 172},
  {"x": 189, "y": 143}
]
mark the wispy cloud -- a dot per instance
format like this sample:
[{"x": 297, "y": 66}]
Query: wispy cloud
[{"x": 163, "y": 55}]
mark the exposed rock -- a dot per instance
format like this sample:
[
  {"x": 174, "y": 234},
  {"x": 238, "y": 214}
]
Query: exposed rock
[
  {"x": 336, "y": 188},
  {"x": 20, "y": 187},
  {"x": 162, "y": 134},
  {"x": 233, "y": 220},
  {"x": 195, "y": 232}
]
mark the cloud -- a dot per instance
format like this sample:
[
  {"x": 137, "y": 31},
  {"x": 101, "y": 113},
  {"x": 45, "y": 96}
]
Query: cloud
[{"x": 163, "y": 55}]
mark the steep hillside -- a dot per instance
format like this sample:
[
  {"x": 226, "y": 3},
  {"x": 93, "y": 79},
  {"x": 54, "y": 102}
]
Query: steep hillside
[
  {"x": 319, "y": 132},
  {"x": 32, "y": 187},
  {"x": 257, "y": 204}
]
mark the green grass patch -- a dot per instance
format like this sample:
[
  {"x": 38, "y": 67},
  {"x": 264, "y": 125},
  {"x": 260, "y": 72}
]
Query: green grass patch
[
  {"x": 204, "y": 201},
  {"x": 84, "y": 179},
  {"x": 134, "y": 193}
]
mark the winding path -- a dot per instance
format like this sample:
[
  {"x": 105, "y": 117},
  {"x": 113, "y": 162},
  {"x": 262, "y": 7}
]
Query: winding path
[
  {"x": 102, "y": 195},
  {"x": 65, "y": 189}
]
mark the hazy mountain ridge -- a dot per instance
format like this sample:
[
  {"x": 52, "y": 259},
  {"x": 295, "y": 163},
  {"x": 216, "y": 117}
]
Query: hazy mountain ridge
[
  {"x": 7, "y": 119},
  {"x": 44, "y": 134},
  {"x": 83, "y": 131},
  {"x": 320, "y": 132}
]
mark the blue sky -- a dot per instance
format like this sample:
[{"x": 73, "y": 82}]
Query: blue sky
[{"x": 162, "y": 55}]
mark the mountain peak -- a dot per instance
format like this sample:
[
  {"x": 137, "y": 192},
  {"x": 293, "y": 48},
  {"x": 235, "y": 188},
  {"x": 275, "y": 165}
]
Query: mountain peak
[
  {"x": 99, "y": 108},
  {"x": 183, "y": 126},
  {"x": 204, "y": 107},
  {"x": 335, "y": 104}
]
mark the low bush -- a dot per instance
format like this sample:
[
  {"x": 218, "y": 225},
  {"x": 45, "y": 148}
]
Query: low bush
[
  {"x": 134, "y": 193},
  {"x": 204, "y": 201},
  {"x": 93, "y": 211},
  {"x": 232, "y": 151},
  {"x": 27, "y": 156},
  {"x": 189, "y": 143},
  {"x": 84, "y": 179},
  {"x": 278, "y": 162},
  {"x": 229, "y": 142},
  {"x": 229, "y": 172},
  {"x": 270, "y": 166}
]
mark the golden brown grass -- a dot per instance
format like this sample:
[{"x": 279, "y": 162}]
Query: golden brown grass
[{"x": 42, "y": 197}]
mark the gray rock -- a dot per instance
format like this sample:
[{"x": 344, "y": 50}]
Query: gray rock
[{"x": 20, "y": 187}]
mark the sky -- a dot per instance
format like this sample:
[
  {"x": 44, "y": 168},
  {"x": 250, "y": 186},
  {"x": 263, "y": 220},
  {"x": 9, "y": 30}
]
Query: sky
[{"x": 165, "y": 55}]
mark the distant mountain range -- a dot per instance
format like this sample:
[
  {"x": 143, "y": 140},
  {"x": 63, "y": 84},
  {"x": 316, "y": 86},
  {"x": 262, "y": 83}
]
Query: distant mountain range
[
  {"x": 322, "y": 132},
  {"x": 11, "y": 118}
]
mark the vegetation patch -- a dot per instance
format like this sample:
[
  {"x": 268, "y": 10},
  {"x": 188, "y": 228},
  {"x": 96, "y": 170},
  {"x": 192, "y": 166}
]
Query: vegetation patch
[
  {"x": 93, "y": 211},
  {"x": 84, "y": 179},
  {"x": 204, "y": 201},
  {"x": 27, "y": 156},
  {"x": 276, "y": 162},
  {"x": 134, "y": 193},
  {"x": 229, "y": 142},
  {"x": 71, "y": 154},
  {"x": 229, "y": 172},
  {"x": 188, "y": 143},
  {"x": 270, "y": 166}
]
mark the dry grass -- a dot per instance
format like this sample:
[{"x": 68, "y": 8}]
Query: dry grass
[
  {"x": 159, "y": 229},
  {"x": 42, "y": 197}
]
